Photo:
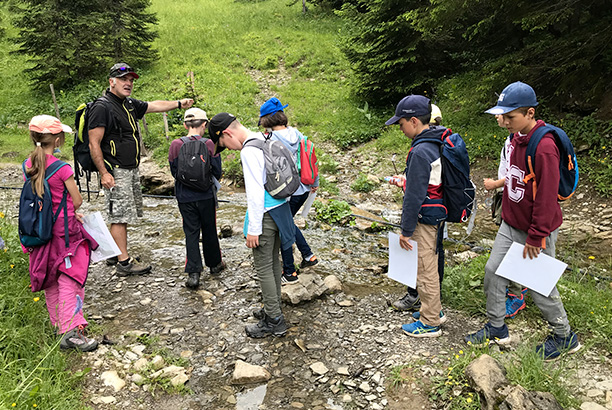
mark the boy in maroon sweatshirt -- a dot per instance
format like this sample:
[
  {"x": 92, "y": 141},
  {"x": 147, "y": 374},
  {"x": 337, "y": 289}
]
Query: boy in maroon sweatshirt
[{"x": 531, "y": 216}]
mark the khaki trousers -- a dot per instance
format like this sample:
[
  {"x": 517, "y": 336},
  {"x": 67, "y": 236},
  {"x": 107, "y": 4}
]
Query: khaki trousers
[{"x": 428, "y": 280}]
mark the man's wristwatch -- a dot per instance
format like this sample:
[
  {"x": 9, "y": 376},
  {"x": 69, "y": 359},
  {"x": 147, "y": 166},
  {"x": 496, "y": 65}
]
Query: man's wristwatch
[{"x": 179, "y": 104}]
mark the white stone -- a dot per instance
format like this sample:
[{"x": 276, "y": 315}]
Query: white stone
[
  {"x": 589, "y": 405},
  {"x": 157, "y": 362},
  {"x": 370, "y": 397},
  {"x": 140, "y": 364},
  {"x": 139, "y": 349},
  {"x": 592, "y": 393},
  {"x": 131, "y": 356},
  {"x": 145, "y": 301},
  {"x": 343, "y": 371},
  {"x": 605, "y": 385},
  {"x": 137, "y": 378},
  {"x": 365, "y": 387},
  {"x": 347, "y": 398},
  {"x": 172, "y": 371},
  {"x": 247, "y": 373},
  {"x": 111, "y": 378},
  {"x": 333, "y": 283},
  {"x": 319, "y": 368},
  {"x": 179, "y": 380}
]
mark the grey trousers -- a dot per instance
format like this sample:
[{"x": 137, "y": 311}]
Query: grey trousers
[
  {"x": 495, "y": 286},
  {"x": 266, "y": 258}
]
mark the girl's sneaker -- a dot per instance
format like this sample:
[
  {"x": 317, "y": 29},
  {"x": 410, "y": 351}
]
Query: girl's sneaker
[
  {"x": 76, "y": 339},
  {"x": 289, "y": 278},
  {"x": 420, "y": 329},
  {"x": 310, "y": 261},
  {"x": 443, "y": 318}
]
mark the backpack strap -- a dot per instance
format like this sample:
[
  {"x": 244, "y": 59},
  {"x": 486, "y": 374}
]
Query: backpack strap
[
  {"x": 532, "y": 146},
  {"x": 256, "y": 143},
  {"x": 49, "y": 172}
]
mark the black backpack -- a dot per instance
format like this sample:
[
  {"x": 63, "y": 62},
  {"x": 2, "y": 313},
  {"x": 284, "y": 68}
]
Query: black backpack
[
  {"x": 36, "y": 218},
  {"x": 194, "y": 166},
  {"x": 282, "y": 176}
]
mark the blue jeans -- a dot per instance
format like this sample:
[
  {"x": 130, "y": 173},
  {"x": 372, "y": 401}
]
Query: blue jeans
[{"x": 295, "y": 204}]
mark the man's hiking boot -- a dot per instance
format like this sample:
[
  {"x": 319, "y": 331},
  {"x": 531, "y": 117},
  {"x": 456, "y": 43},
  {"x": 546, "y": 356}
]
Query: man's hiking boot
[
  {"x": 407, "y": 303},
  {"x": 193, "y": 281},
  {"x": 443, "y": 318},
  {"x": 420, "y": 329},
  {"x": 133, "y": 267},
  {"x": 489, "y": 334},
  {"x": 113, "y": 261},
  {"x": 554, "y": 346},
  {"x": 215, "y": 270},
  {"x": 312, "y": 261},
  {"x": 76, "y": 339},
  {"x": 289, "y": 278},
  {"x": 267, "y": 327}
]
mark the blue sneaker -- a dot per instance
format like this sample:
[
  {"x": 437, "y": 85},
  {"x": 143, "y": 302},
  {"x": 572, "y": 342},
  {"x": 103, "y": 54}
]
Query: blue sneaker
[
  {"x": 489, "y": 334},
  {"x": 419, "y": 329},
  {"x": 514, "y": 304},
  {"x": 417, "y": 316},
  {"x": 554, "y": 346}
]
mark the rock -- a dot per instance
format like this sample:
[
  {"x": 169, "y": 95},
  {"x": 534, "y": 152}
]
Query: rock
[
  {"x": 486, "y": 375},
  {"x": 154, "y": 179},
  {"x": 592, "y": 393},
  {"x": 157, "y": 362},
  {"x": 231, "y": 399},
  {"x": 137, "y": 378},
  {"x": 347, "y": 398},
  {"x": 226, "y": 231},
  {"x": 136, "y": 333},
  {"x": 465, "y": 256},
  {"x": 103, "y": 400},
  {"x": 319, "y": 368},
  {"x": 343, "y": 371},
  {"x": 172, "y": 371},
  {"x": 521, "y": 399},
  {"x": 205, "y": 295},
  {"x": 179, "y": 380},
  {"x": 297, "y": 405},
  {"x": 247, "y": 373},
  {"x": 139, "y": 349},
  {"x": 365, "y": 387},
  {"x": 589, "y": 405},
  {"x": 131, "y": 356},
  {"x": 333, "y": 283},
  {"x": 186, "y": 354},
  {"x": 346, "y": 303},
  {"x": 111, "y": 378},
  {"x": 605, "y": 385},
  {"x": 140, "y": 364},
  {"x": 145, "y": 301},
  {"x": 310, "y": 287}
]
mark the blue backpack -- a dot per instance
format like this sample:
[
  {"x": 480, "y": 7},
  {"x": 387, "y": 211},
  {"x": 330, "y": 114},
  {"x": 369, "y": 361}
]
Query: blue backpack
[
  {"x": 568, "y": 164},
  {"x": 36, "y": 216},
  {"x": 457, "y": 187}
]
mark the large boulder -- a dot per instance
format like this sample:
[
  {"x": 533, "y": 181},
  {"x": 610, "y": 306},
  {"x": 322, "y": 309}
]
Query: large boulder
[
  {"x": 309, "y": 287},
  {"x": 521, "y": 399},
  {"x": 245, "y": 373},
  {"x": 155, "y": 179},
  {"x": 486, "y": 376}
]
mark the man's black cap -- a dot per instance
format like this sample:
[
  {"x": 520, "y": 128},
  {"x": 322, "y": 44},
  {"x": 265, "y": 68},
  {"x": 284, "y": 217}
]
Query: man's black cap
[
  {"x": 217, "y": 125},
  {"x": 120, "y": 70}
]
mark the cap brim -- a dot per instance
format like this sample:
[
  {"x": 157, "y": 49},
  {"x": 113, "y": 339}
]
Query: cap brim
[
  {"x": 393, "y": 120},
  {"x": 66, "y": 128},
  {"x": 499, "y": 110},
  {"x": 129, "y": 72}
]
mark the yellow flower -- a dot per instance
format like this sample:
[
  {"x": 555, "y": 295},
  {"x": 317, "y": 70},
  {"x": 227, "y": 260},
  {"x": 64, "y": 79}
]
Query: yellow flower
[
  {"x": 592, "y": 313},
  {"x": 456, "y": 356},
  {"x": 460, "y": 351},
  {"x": 14, "y": 404},
  {"x": 12, "y": 266},
  {"x": 2, "y": 215},
  {"x": 36, "y": 299},
  {"x": 468, "y": 400},
  {"x": 34, "y": 405},
  {"x": 591, "y": 257}
]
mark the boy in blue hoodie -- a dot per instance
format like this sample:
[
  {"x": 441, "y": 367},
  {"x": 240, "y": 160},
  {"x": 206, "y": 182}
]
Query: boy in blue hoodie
[{"x": 423, "y": 210}]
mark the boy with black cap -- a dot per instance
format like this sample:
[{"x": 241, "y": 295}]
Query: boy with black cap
[
  {"x": 198, "y": 207},
  {"x": 422, "y": 211},
  {"x": 529, "y": 216},
  {"x": 268, "y": 224}
]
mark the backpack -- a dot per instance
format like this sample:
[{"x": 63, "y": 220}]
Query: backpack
[
  {"x": 568, "y": 164},
  {"x": 36, "y": 216},
  {"x": 458, "y": 189},
  {"x": 282, "y": 176},
  {"x": 194, "y": 166},
  {"x": 307, "y": 162}
]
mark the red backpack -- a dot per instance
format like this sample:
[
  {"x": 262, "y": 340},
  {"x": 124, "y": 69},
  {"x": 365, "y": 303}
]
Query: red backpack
[{"x": 307, "y": 162}]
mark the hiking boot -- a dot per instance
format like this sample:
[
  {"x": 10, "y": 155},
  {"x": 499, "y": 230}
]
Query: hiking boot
[
  {"x": 133, "y": 267},
  {"x": 514, "y": 304},
  {"x": 259, "y": 313},
  {"x": 215, "y": 270},
  {"x": 193, "y": 281},
  {"x": 407, "y": 303},
  {"x": 112, "y": 261},
  {"x": 420, "y": 329},
  {"x": 289, "y": 278},
  {"x": 312, "y": 261},
  {"x": 489, "y": 334},
  {"x": 417, "y": 316},
  {"x": 266, "y": 327},
  {"x": 554, "y": 346},
  {"x": 76, "y": 339}
]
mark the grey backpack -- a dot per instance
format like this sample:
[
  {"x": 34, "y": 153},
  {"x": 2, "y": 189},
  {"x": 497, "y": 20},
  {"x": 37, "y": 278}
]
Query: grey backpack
[{"x": 282, "y": 176}]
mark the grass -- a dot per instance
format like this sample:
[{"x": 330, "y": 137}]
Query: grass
[{"x": 32, "y": 368}]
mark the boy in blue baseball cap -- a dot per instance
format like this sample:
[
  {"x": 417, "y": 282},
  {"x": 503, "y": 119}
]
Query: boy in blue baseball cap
[
  {"x": 531, "y": 215},
  {"x": 273, "y": 118}
]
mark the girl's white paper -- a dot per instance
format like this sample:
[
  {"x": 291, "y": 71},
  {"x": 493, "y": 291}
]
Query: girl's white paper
[
  {"x": 306, "y": 208},
  {"x": 540, "y": 274},
  {"x": 403, "y": 264},
  {"x": 95, "y": 226}
]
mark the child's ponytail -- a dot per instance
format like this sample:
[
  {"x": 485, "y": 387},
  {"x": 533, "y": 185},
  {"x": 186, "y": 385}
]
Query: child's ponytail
[{"x": 38, "y": 160}]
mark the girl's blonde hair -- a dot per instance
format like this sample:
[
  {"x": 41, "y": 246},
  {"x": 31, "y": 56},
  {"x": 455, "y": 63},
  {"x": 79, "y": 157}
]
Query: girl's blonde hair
[{"x": 38, "y": 159}]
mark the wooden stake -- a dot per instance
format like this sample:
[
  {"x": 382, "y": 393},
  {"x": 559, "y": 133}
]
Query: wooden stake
[
  {"x": 55, "y": 102},
  {"x": 166, "y": 126},
  {"x": 144, "y": 125},
  {"x": 192, "y": 79}
]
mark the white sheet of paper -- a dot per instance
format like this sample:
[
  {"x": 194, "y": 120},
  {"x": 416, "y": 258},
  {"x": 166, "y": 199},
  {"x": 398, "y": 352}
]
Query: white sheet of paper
[
  {"x": 308, "y": 204},
  {"x": 540, "y": 274},
  {"x": 95, "y": 226},
  {"x": 403, "y": 264}
]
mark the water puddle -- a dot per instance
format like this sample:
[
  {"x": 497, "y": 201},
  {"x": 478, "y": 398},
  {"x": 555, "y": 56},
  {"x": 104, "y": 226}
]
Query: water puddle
[{"x": 251, "y": 399}]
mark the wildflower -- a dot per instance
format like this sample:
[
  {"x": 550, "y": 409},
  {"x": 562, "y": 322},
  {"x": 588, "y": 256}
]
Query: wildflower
[
  {"x": 36, "y": 299},
  {"x": 460, "y": 351},
  {"x": 592, "y": 313},
  {"x": 2, "y": 213},
  {"x": 12, "y": 266},
  {"x": 34, "y": 405},
  {"x": 456, "y": 356},
  {"x": 450, "y": 369},
  {"x": 468, "y": 400},
  {"x": 591, "y": 257},
  {"x": 14, "y": 404}
]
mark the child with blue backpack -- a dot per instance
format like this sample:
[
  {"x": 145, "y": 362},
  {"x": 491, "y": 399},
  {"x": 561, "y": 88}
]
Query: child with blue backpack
[
  {"x": 59, "y": 267},
  {"x": 272, "y": 117},
  {"x": 531, "y": 216}
]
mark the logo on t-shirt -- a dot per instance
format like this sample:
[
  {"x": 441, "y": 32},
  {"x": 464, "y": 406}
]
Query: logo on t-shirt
[{"x": 515, "y": 184}]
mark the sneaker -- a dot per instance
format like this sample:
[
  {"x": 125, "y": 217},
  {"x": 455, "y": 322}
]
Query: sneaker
[
  {"x": 215, "y": 270},
  {"x": 76, "y": 339},
  {"x": 312, "y": 261},
  {"x": 417, "y": 316},
  {"x": 420, "y": 329},
  {"x": 289, "y": 278},
  {"x": 554, "y": 346},
  {"x": 112, "y": 261},
  {"x": 134, "y": 267},
  {"x": 407, "y": 302},
  {"x": 489, "y": 334},
  {"x": 266, "y": 327},
  {"x": 193, "y": 281},
  {"x": 514, "y": 304}
]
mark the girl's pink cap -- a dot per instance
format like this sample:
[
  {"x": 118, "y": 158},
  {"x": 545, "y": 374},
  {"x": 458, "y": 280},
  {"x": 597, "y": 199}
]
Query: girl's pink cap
[{"x": 46, "y": 124}]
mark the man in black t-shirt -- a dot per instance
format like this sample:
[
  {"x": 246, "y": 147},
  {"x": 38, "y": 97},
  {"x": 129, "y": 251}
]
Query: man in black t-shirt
[{"x": 114, "y": 142}]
